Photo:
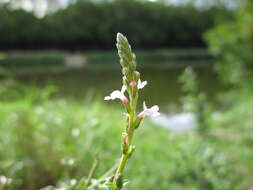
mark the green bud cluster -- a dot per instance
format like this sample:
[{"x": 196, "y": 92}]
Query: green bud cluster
[{"x": 127, "y": 58}]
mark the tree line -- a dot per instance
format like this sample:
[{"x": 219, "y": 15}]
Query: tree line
[{"x": 87, "y": 24}]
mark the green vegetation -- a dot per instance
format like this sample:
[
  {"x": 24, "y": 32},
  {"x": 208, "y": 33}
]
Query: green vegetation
[
  {"x": 232, "y": 43},
  {"x": 22, "y": 60},
  {"x": 154, "y": 57},
  {"x": 45, "y": 141},
  {"x": 89, "y": 24},
  {"x": 49, "y": 141},
  {"x": 53, "y": 142},
  {"x": 195, "y": 102}
]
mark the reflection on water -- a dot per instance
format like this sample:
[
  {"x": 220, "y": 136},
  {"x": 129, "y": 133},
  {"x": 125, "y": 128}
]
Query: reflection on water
[{"x": 163, "y": 87}]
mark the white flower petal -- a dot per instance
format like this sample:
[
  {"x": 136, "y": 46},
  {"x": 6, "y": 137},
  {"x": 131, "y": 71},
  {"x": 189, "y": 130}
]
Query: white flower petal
[
  {"x": 107, "y": 98},
  {"x": 141, "y": 84},
  {"x": 116, "y": 94},
  {"x": 123, "y": 89},
  {"x": 152, "y": 112},
  {"x": 144, "y": 106},
  {"x": 154, "y": 108}
]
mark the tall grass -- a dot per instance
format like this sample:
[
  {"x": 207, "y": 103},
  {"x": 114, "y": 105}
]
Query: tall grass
[{"x": 44, "y": 141}]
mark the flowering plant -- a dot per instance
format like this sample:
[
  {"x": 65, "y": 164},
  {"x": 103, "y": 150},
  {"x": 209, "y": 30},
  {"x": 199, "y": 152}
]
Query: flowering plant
[
  {"x": 113, "y": 179},
  {"x": 131, "y": 84}
]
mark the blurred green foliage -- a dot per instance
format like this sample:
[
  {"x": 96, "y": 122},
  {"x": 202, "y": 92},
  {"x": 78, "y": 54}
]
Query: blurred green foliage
[
  {"x": 19, "y": 60},
  {"x": 88, "y": 24},
  {"x": 232, "y": 43},
  {"x": 153, "y": 57},
  {"x": 46, "y": 142},
  {"x": 195, "y": 101}
]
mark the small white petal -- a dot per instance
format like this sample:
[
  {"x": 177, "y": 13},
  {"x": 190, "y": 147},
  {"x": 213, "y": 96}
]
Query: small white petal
[
  {"x": 154, "y": 108},
  {"x": 116, "y": 95},
  {"x": 144, "y": 106},
  {"x": 152, "y": 112},
  {"x": 107, "y": 98},
  {"x": 123, "y": 89},
  {"x": 141, "y": 84}
]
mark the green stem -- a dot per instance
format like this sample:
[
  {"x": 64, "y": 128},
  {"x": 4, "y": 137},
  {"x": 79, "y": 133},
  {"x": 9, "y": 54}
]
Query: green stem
[
  {"x": 130, "y": 133},
  {"x": 93, "y": 169},
  {"x": 131, "y": 127},
  {"x": 122, "y": 164}
]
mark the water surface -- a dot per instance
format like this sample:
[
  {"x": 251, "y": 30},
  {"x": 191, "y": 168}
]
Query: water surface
[{"x": 163, "y": 86}]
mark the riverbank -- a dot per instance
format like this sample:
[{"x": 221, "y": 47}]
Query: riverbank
[{"x": 51, "y": 61}]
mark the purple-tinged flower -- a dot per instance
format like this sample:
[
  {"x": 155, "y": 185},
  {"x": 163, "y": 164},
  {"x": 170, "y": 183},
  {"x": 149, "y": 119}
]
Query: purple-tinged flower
[
  {"x": 152, "y": 112},
  {"x": 116, "y": 94}
]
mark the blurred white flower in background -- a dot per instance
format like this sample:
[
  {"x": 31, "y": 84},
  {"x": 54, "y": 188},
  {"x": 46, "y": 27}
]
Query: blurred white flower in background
[
  {"x": 73, "y": 182},
  {"x": 5, "y": 181},
  {"x": 75, "y": 132}
]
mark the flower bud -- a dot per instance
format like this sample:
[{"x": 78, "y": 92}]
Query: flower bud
[
  {"x": 127, "y": 121},
  {"x": 134, "y": 56},
  {"x": 125, "y": 51},
  {"x": 124, "y": 70},
  {"x": 137, "y": 76},
  {"x": 133, "y": 85},
  {"x": 139, "y": 119},
  {"x": 124, "y": 143},
  {"x": 124, "y": 138},
  {"x": 127, "y": 118},
  {"x": 124, "y": 80},
  {"x": 126, "y": 104},
  {"x": 141, "y": 116},
  {"x": 122, "y": 62},
  {"x": 125, "y": 101}
]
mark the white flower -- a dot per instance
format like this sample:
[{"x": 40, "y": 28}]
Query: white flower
[
  {"x": 73, "y": 182},
  {"x": 75, "y": 132},
  {"x": 5, "y": 181},
  {"x": 141, "y": 84},
  {"x": 152, "y": 112},
  {"x": 71, "y": 161},
  {"x": 116, "y": 94}
]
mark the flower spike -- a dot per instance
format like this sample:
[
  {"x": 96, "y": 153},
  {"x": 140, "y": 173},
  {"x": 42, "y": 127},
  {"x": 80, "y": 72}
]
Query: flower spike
[{"x": 132, "y": 84}]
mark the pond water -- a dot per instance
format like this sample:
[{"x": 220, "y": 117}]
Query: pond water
[{"x": 163, "y": 86}]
